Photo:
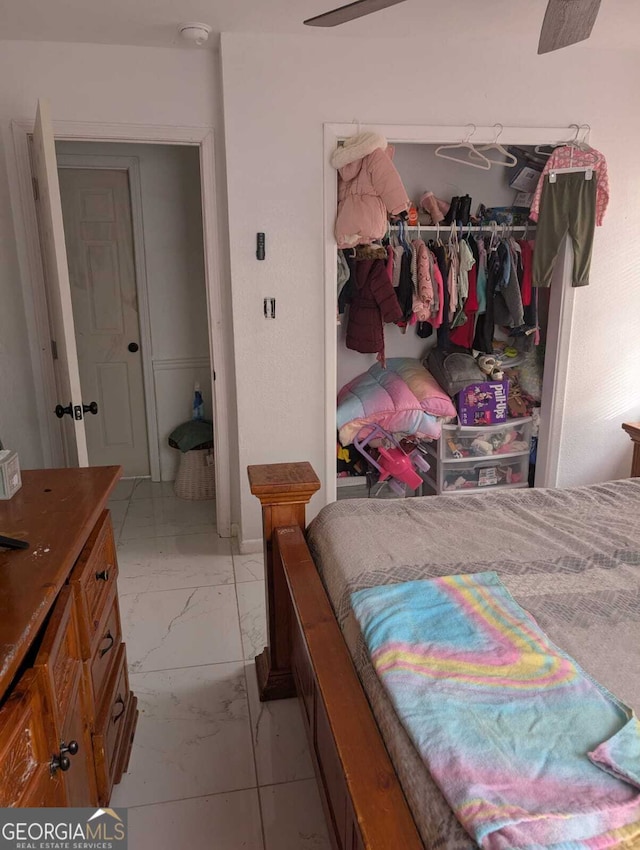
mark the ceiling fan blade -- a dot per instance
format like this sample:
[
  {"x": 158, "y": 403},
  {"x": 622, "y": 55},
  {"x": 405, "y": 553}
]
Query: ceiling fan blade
[
  {"x": 350, "y": 12},
  {"x": 567, "y": 22}
]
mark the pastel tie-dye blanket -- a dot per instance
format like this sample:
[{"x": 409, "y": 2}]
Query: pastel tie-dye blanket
[{"x": 529, "y": 751}]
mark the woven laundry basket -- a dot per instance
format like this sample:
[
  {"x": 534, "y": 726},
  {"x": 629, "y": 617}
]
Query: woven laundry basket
[{"x": 196, "y": 478}]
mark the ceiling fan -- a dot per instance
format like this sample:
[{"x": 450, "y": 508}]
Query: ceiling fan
[{"x": 565, "y": 22}]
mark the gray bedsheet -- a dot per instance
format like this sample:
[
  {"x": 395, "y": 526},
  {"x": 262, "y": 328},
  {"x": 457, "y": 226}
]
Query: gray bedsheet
[{"x": 570, "y": 557}]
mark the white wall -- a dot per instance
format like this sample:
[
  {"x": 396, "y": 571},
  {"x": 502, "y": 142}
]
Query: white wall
[
  {"x": 422, "y": 170},
  {"x": 102, "y": 83},
  {"x": 278, "y": 92},
  {"x": 174, "y": 253}
]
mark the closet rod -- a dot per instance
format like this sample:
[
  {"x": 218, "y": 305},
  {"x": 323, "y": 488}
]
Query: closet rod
[{"x": 474, "y": 228}]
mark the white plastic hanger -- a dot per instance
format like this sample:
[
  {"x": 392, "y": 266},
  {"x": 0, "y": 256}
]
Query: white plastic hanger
[
  {"x": 575, "y": 142},
  {"x": 510, "y": 160},
  {"x": 587, "y": 169},
  {"x": 482, "y": 161}
]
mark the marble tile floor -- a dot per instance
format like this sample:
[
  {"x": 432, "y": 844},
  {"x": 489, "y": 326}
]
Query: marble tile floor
[{"x": 211, "y": 765}]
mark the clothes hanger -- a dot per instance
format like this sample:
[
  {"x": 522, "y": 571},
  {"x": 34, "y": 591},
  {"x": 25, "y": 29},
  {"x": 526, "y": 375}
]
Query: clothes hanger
[
  {"x": 574, "y": 142},
  {"x": 466, "y": 145},
  {"x": 510, "y": 161},
  {"x": 493, "y": 242}
]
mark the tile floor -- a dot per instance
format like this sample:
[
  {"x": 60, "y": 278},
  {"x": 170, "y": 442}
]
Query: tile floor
[{"x": 211, "y": 765}]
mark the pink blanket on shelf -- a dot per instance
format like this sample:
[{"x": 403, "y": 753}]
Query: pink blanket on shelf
[{"x": 396, "y": 398}]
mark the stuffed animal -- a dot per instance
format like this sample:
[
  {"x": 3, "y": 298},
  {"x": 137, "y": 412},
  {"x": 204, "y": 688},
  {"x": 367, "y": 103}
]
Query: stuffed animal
[{"x": 481, "y": 447}]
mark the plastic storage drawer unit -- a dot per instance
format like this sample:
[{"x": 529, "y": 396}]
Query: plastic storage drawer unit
[{"x": 473, "y": 459}]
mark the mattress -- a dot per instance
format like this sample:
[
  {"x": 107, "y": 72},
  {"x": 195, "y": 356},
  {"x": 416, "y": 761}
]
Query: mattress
[{"x": 569, "y": 557}]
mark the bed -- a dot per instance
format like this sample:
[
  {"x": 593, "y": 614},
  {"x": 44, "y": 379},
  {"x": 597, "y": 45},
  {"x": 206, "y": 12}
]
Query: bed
[{"x": 570, "y": 557}]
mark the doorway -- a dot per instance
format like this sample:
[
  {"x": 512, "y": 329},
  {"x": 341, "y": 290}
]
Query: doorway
[
  {"x": 152, "y": 295},
  {"x": 213, "y": 371},
  {"x": 96, "y": 210}
]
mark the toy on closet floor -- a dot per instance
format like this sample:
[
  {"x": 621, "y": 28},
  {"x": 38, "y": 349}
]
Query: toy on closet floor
[
  {"x": 500, "y": 442},
  {"x": 392, "y": 462}
]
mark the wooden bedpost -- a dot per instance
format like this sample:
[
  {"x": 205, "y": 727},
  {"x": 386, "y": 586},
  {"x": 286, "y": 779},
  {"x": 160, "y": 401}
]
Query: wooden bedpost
[
  {"x": 284, "y": 490},
  {"x": 633, "y": 430}
]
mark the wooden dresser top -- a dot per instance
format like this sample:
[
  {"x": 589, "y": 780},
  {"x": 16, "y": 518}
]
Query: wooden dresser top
[{"x": 55, "y": 510}]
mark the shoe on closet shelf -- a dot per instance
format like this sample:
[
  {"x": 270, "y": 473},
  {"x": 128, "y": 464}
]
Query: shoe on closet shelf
[
  {"x": 436, "y": 208},
  {"x": 463, "y": 215},
  {"x": 490, "y": 366},
  {"x": 452, "y": 213}
]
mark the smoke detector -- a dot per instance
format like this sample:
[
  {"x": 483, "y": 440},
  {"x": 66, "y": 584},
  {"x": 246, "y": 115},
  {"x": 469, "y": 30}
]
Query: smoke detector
[{"x": 194, "y": 32}]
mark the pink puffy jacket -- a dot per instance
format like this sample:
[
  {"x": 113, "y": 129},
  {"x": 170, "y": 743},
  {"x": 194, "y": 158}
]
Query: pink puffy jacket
[{"x": 369, "y": 187}]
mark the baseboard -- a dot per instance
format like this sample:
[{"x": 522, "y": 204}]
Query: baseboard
[{"x": 250, "y": 547}]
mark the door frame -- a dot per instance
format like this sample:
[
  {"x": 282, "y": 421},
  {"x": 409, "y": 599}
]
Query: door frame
[
  {"x": 561, "y": 306},
  {"x": 30, "y": 261},
  {"x": 131, "y": 164}
]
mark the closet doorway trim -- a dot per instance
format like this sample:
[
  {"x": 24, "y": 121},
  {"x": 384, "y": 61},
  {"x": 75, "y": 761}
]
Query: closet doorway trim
[
  {"x": 561, "y": 305},
  {"x": 30, "y": 262}
]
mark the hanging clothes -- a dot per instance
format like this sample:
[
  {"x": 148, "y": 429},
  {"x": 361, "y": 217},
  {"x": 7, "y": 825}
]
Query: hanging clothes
[
  {"x": 423, "y": 296},
  {"x": 507, "y": 305},
  {"x": 529, "y": 295},
  {"x": 526, "y": 252},
  {"x": 463, "y": 335},
  {"x": 404, "y": 291},
  {"x": 348, "y": 290},
  {"x": 466, "y": 262},
  {"x": 571, "y": 204},
  {"x": 568, "y": 156},
  {"x": 483, "y": 339},
  {"x": 439, "y": 252},
  {"x": 452, "y": 281},
  {"x": 481, "y": 283},
  {"x": 369, "y": 187},
  {"x": 566, "y": 206},
  {"x": 373, "y": 303}
]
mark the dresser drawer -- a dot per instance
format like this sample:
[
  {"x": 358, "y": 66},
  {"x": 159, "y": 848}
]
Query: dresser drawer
[
  {"x": 93, "y": 577},
  {"x": 27, "y": 744},
  {"x": 109, "y": 727},
  {"x": 59, "y": 657},
  {"x": 106, "y": 643},
  {"x": 44, "y": 792}
]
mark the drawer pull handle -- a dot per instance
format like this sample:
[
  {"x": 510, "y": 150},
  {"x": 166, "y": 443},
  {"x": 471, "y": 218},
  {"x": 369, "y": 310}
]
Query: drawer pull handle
[
  {"x": 106, "y": 649},
  {"x": 72, "y": 749},
  {"x": 57, "y": 763},
  {"x": 103, "y": 575},
  {"x": 62, "y": 761},
  {"x": 119, "y": 701}
]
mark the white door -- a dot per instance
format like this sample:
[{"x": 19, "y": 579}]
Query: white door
[
  {"x": 96, "y": 206},
  {"x": 58, "y": 291}
]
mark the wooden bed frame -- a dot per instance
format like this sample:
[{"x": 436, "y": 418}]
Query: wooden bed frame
[{"x": 364, "y": 804}]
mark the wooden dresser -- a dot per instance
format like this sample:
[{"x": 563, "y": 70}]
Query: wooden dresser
[
  {"x": 633, "y": 430},
  {"x": 67, "y": 716}
]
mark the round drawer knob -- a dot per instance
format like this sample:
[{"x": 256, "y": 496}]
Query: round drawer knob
[{"x": 72, "y": 749}]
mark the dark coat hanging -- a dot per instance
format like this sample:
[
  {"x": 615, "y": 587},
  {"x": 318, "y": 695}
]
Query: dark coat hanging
[{"x": 373, "y": 303}]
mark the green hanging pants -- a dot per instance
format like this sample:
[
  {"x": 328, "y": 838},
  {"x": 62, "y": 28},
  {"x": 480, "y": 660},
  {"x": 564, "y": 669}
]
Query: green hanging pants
[{"x": 568, "y": 205}]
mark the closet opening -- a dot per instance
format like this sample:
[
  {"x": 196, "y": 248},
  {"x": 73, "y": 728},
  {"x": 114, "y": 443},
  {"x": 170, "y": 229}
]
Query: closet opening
[{"x": 535, "y": 362}]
